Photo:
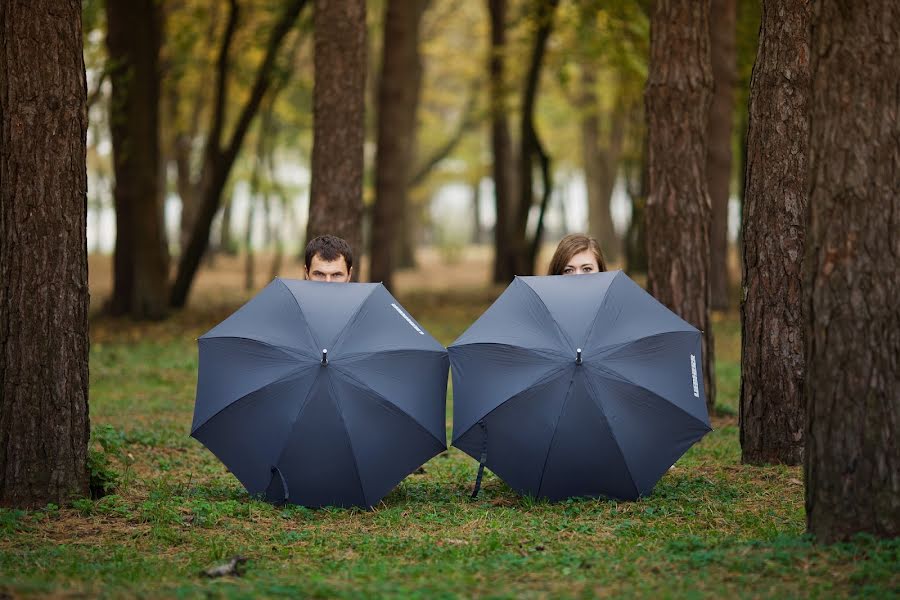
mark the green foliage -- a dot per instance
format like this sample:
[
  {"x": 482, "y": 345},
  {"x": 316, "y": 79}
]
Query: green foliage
[{"x": 106, "y": 444}]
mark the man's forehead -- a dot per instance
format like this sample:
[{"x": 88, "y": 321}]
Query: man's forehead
[{"x": 319, "y": 262}]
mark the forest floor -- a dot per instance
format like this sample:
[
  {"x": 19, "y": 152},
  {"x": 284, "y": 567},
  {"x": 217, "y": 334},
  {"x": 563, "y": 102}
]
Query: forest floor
[{"x": 711, "y": 528}]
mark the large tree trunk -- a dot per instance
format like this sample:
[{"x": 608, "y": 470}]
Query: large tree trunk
[
  {"x": 398, "y": 101},
  {"x": 141, "y": 263},
  {"x": 339, "y": 93},
  {"x": 678, "y": 211},
  {"x": 852, "y": 273},
  {"x": 723, "y": 52},
  {"x": 600, "y": 164},
  {"x": 774, "y": 222},
  {"x": 218, "y": 159},
  {"x": 44, "y": 424},
  {"x": 501, "y": 144}
]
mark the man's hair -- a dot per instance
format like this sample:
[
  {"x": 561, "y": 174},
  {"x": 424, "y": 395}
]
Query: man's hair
[
  {"x": 571, "y": 245},
  {"x": 329, "y": 247}
]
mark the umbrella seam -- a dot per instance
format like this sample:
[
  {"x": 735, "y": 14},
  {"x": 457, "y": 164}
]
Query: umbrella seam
[
  {"x": 352, "y": 320},
  {"x": 592, "y": 393},
  {"x": 282, "y": 349},
  {"x": 550, "y": 375},
  {"x": 340, "y": 412},
  {"x": 555, "y": 429},
  {"x": 282, "y": 379},
  {"x": 649, "y": 391},
  {"x": 296, "y": 419},
  {"x": 559, "y": 328},
  {"x": 542, "y": 352},
  {"x": 368, "y": 388},
  {"x": 347, "y": 357},
  {"x": 619, "y": 345},
  {"x": 302, "y": 315},
  {"x": 600, "y": 308}
]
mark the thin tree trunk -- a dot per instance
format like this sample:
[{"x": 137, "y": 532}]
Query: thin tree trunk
[
  {"x": 775, "y": 212},
  {"x": 44, "y": 424},
  {"x": 600, "y": 164},
  {"x": 852, "y": 274},
  {"x": 477, "y": 237},
  {"x": 679, "y": 85},
  {"x": 140, "y": 262},
  {"x": 523, "y": 253},
  {"x": 723, "y": 52},
  {"x": 398, "y": 100},
  {"x": 335, "y": 203},
  {"x": 218, "y": 160},
  {"x": 636, "y": 237},
  {"x": 501, "y": 144}
]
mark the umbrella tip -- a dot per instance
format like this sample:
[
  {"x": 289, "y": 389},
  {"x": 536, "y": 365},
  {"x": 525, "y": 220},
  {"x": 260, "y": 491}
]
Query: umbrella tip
[
  {"x": 578, "y": 357},
  {"x": 324, "y": 356}
]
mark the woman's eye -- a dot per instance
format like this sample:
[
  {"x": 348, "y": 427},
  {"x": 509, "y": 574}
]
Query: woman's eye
[
  {"x": 588, "y": 269},
  {"x": 567, "y": 271}
]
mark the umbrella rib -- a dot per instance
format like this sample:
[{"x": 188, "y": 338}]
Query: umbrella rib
[
  {"x": 559, "y": 329},
  {"x": 553, "y": 437},
  {"x": 340, "y": 411},
  {"x": 625, "y": 343},
  {"x": 542, "y": 352},
  {"x": 281, "y": 379},
  {"x": 287, "y": 351},
  {"x": 550, "y": 375},
  {"x": 347, "y": 357},
  {"x": 300, "y": 310},
  {"x": 368, "y": 388},
  {"x": 352, "y": 320},
  {"x": 593, "y": 394},
  {"x": 606, "y": 370},
  {"x": 602, "y": 304}
]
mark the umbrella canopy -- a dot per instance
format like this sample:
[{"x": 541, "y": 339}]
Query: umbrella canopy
[
  {"x": 578, "y": 386},
  {"x": 321, "y": 393}
]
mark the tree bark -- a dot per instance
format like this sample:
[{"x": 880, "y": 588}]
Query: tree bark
[
  {"x": 501, "y": 144},
  {"x": 335, "y": 203},
  {"x": 723, "y": 53},
  {"x": 44, "y": 424},
  {"x": 140, "y": 271},
  {"x": 600, "y": 164},
  {"x": 678, "y": 91},
  {"x": 852, "y": 275},
  {"x": 398, "y": 101},
  {"x": 219, "y": 160},
  {"x": 774, "y": 223}
]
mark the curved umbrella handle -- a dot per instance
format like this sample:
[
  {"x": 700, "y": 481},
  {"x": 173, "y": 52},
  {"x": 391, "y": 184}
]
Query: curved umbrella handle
[
  {"x": 284, "y": 485},
  {"x": 483, "y": 459}
]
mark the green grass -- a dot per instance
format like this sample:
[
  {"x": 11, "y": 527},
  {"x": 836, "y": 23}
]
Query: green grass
[{"x": 711, "y": 528}]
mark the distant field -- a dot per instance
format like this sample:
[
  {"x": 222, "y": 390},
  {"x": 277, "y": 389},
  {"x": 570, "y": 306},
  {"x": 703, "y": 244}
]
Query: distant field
[{"x": 711, "y": 528}]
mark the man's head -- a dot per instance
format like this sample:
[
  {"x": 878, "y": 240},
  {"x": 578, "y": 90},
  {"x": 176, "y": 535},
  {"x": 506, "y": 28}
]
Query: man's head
[{"x": 329, "y": 258}]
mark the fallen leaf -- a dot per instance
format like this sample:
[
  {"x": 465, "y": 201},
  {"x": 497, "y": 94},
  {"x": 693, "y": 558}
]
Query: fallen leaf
[{"x": 232, "y": 567}]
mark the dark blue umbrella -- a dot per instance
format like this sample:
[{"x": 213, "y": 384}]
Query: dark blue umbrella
[
  {"x": 321, "y": 393},
  {"x": 578, "y": 386}
]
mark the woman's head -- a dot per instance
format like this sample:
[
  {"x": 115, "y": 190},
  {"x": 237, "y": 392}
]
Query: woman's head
[{"x": 577, "y": 254}]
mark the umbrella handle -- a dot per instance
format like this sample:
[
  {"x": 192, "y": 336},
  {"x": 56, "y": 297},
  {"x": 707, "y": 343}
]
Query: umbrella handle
[
  {"x": 284, "y": 485},
  {"x": 482, "y": 461}
]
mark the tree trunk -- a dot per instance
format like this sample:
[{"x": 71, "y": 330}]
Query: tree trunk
[
  {"x": 678, "y": 211},
  {"x": 723, "y": 52},
  {"x": 637, "y": 181},
  {"x": 523, "y": 253},
  {"x": 501, "y": 144},
  {"x": 477, "y": 233},
  {"x": 398, "y": 100},
  {"x": 335, "y": 203},
  {"x": 140, "y": 263},
  {"x": 44, "y": 424},
  {"x": 774, "y": 222},
  {"x": 852, "y": 275},
  {"x": 600, "y": 164},
  {"x": 218, "y": 160}
]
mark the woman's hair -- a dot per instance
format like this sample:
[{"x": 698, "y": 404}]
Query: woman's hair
[{"x": 571, "y": 245}]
